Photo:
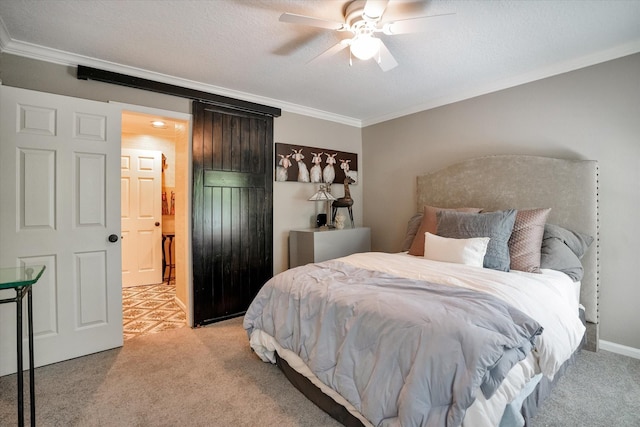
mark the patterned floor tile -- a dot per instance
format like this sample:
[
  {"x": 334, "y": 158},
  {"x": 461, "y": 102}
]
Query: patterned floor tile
[{"x": 150, "y": 309}]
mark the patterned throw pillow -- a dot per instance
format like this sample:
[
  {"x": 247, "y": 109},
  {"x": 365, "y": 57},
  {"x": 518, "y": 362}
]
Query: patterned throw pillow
[{"x": 526, "y": 239}]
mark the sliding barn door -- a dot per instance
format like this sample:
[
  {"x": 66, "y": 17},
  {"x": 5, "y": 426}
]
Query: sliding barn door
[{"x": 232, "y": 210}]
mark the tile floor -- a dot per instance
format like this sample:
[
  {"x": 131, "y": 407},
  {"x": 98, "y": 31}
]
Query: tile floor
[{"x": 149, "y": 309}]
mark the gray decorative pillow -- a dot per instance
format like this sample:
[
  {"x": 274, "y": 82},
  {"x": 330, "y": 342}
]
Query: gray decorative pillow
[
  {"x": 412, "y": 228},
  {"x": 495, "y": 225},
  {"x": 577, "y": 242},
  {"x": 430, "y": 223},
  {"x": 562, "y": 249}
]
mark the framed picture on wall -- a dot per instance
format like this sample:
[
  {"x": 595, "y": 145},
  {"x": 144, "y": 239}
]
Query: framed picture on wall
[{"x": 310, "y": 164}]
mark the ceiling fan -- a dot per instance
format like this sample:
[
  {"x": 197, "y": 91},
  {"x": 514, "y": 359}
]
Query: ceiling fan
[{"x": 363, "y": 19}]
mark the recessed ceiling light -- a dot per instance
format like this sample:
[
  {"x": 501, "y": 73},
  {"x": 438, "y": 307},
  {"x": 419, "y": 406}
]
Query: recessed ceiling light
[{"x": 158, "y": 124}]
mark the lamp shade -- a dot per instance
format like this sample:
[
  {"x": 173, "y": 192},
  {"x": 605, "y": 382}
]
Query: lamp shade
[{"x": 322, "y": 195}]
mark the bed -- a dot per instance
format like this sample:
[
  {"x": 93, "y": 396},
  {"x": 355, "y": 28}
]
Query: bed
[{"x": 448, "y": 332}]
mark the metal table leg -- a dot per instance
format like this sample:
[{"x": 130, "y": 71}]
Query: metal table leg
[
  {"x": 19, "y": 296},
  {"x": 32, "y": 379},
  {"x": 20, "y": 293},
  {"x": 21, "y": 279}
]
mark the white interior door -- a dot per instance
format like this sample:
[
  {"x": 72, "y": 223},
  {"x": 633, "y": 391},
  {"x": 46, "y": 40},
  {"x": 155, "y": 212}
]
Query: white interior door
[
  {"x": 60, "y": 203},
  {"x": 141, "y": 205}
]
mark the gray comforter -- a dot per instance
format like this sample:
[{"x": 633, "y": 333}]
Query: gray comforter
[{"x": 401, "y": 351}]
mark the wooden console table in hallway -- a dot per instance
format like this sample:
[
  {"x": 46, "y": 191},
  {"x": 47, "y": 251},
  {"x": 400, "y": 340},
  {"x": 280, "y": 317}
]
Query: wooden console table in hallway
[{"x": 167, "y": 260}]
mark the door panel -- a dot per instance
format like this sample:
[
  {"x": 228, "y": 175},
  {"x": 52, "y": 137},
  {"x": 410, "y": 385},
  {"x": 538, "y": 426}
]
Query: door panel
[
  {"x": 90, "y": 289},
  {"x": 89, "y": 201},
  {"x": 59, "y": 180},
  {"x": 141, "y": 200},
  {"x": 232, "y": 210}
]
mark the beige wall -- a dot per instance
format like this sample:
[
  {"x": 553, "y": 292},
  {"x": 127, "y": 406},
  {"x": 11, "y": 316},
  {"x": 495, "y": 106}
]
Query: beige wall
[
  {"x": 592, "y": 113},
  {"x": 291, "y": 208}
]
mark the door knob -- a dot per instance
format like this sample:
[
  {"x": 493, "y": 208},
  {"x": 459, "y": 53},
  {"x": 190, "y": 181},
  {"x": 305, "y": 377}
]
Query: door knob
[
  {"x": 157, "y": 224},
  {"x": 113, "y": 238}
]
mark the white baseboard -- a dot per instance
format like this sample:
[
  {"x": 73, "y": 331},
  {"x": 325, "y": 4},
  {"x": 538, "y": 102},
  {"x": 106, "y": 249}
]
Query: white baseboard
[
  {"x": 184, "y": 307},
  {"x": 620, "y": 349}
]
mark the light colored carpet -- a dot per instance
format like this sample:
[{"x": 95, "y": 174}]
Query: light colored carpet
[
  {"x": 192, "y": 377},
  {"x": 600, "y": 390},
  {"x": 210, "y": 377}
]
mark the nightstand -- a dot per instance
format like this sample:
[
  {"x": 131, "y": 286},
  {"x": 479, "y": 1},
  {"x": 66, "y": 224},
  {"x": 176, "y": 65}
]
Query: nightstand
[{"x": 317, "y": 244}]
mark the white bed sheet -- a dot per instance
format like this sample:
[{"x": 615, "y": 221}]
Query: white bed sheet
[{"x": 551, "y": 298}]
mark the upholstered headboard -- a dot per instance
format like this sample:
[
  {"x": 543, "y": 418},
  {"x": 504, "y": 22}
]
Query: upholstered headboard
[{"x": 568, "y": 187}]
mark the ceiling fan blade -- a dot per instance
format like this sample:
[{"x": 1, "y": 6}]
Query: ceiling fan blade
[
  {"x": 405, "y": 9},
  {"x": 292, "y": 18},
  {"x": 386, "y": 61},
  {"x": 332, "y": 50},
  {"x": 297, "y": 43},
  {"x": 433, "y": 23},
  {"x": 374, "y": 9}
]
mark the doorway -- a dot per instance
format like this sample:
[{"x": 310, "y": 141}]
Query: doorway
[{"x": 164, "y": 302}]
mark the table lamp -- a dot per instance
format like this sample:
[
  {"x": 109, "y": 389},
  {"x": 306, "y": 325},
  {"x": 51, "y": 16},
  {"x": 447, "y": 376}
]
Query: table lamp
[{"x": 324, "y": 195}]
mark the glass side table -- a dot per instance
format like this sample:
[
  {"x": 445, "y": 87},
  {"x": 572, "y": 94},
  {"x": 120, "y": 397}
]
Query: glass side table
[{"x": 21, "y": 279}]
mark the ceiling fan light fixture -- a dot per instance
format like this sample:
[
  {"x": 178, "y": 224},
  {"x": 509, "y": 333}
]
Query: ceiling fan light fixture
[{"x": 365, "y": 46}]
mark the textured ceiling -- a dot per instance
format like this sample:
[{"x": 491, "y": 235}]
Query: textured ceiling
[{"x": 239, "y": 48}]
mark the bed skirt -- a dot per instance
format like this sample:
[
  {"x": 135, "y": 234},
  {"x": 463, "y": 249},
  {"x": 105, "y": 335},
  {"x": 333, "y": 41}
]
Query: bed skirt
[
  {"x": 532, "y": 403},
  {"x": 313, "y": 393}
]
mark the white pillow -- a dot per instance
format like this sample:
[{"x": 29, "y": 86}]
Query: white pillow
[{"x": 460, "y": 251}]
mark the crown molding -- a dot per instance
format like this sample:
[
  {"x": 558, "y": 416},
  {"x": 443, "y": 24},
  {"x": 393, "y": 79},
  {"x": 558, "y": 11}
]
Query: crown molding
[
  {"x": 4, "y": 36},
  {"x": 539, "y": 74},
  {"x": 33, "y": 51}
]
